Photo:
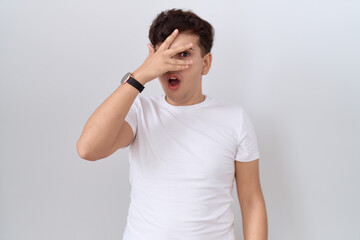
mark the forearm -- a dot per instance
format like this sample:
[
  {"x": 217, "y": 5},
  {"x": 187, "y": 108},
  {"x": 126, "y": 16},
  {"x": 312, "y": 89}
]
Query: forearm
[
  {"x": 103, "y": 125},
  {"x": 254, "y": 219}
]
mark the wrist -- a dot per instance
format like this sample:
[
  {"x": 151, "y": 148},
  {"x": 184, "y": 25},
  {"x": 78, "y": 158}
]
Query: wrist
[{"x": 139, "y": 76}]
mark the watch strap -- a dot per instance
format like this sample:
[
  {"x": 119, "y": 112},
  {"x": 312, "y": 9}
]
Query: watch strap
[{"x": 132, "y": 81}]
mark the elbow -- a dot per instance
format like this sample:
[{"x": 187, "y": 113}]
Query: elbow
[{"x": 83, "y": 152}]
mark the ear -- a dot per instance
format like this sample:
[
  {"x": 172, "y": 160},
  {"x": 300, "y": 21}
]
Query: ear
[{"x": 207, "y": 63}]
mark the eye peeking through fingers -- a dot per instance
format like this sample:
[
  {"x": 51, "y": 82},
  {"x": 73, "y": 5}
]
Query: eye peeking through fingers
[{"x": 184, "y": 54}]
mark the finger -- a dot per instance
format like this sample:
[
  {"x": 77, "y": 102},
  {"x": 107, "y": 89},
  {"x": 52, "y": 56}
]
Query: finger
[
  {"x": 178, "y": 67},
  {"x": 179, "y": 49},
  {"x": 151, "y": 49},
  {"x": 180, "y": 62},
  {"x": 165, "y": 45}
]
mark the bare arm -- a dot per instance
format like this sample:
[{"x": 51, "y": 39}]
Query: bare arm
[
  {"x": 104, "y": 124},
  {"x": 251, "y": 200},
  {"x": 105, "y": 131}
]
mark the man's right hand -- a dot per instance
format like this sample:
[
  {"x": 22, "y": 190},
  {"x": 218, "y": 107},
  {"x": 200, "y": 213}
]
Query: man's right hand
[{"x": 160, "y": 61}]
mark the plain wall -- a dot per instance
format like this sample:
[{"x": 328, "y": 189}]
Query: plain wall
[{"x": 293, "y": 65}]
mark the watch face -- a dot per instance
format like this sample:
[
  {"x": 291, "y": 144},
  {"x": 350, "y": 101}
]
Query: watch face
[{"x": 125, "y": 77}]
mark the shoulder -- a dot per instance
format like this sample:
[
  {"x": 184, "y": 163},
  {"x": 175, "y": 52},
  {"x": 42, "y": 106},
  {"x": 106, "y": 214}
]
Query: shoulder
[
  {"x": 147, "y": 103},
  {"x": 233, "y": 108},
  {"x": 142, "y": 100}
]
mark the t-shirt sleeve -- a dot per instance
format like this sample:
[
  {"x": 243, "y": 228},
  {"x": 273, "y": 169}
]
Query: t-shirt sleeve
[
  {"x": 131, "y": 117},
  {"x": 247, "y": 148}
]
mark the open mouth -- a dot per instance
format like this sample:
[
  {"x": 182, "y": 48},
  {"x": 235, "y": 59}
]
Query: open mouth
[{"x": 173, "y": 81}]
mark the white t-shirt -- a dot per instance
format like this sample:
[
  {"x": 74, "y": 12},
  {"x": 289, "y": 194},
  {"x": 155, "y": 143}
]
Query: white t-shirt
[{"x": 182, "y": 168}]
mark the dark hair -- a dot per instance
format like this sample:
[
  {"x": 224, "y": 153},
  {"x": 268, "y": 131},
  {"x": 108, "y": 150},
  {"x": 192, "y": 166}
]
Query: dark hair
[{"x": 185, "y": 21}]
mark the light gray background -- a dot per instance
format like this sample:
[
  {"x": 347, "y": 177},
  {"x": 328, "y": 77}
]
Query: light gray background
[{"x": 293, "y": 65}]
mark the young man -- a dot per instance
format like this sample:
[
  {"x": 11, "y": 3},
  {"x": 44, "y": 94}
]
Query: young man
[{"x": 186, "y": 148}]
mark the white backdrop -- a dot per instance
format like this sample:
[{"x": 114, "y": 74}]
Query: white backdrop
[{"x": 293, "y": 65}]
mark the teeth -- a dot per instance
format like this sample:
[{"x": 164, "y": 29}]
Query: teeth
[{"x": 173, "y": 79}]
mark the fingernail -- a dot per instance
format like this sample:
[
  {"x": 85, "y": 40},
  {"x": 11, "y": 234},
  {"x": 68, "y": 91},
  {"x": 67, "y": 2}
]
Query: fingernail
[{"x": 175, "y": 30}]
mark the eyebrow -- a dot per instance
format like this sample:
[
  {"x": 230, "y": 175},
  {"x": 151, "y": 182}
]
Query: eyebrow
[{"x": 185, "y": 50}]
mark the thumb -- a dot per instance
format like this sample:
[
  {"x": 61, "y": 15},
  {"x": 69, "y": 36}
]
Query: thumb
[{"x": 151, "y": 49}]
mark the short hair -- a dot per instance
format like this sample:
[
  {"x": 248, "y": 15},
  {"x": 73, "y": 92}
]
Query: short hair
[{"x": 185, "y": 21}]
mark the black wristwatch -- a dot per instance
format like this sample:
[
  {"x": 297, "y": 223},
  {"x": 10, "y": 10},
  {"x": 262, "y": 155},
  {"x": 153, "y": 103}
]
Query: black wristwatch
[{"x": 128, "y": 78}]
